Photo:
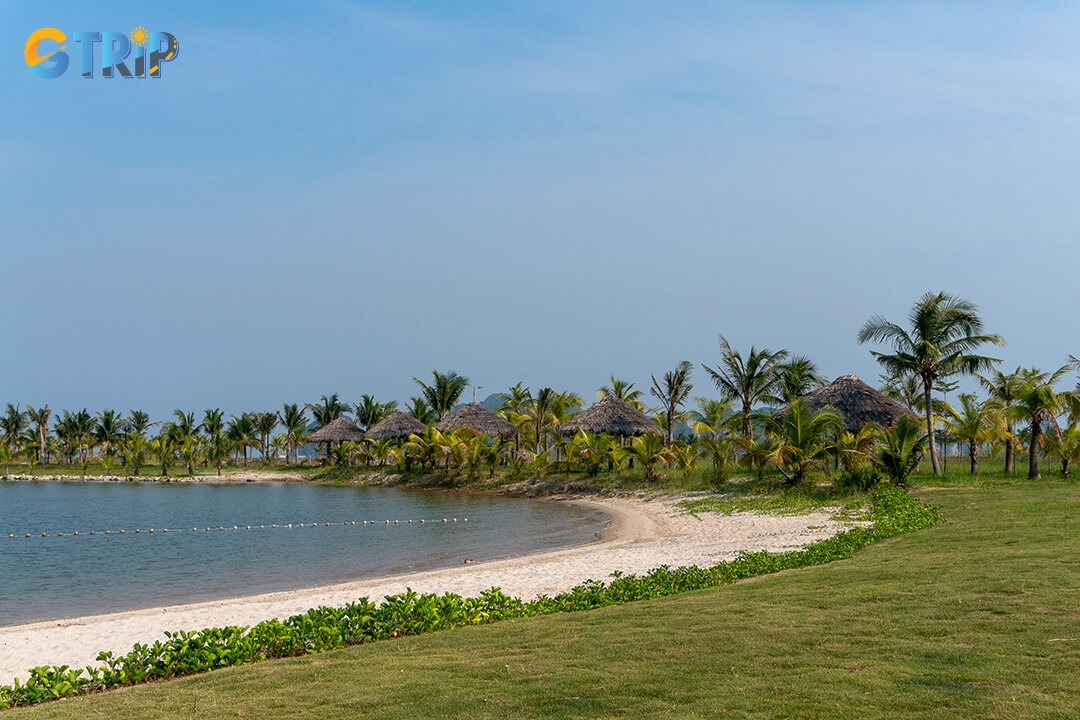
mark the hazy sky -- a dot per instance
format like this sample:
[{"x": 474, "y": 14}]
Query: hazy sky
[{"x": 337, "y": 196}]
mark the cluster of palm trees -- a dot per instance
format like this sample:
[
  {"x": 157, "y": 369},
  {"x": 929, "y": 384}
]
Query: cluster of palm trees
[{"x": 1024, "y": 408}]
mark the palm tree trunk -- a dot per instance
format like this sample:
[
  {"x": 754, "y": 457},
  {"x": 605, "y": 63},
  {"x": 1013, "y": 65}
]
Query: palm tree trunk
[
  {"x": 746, "y": 422},
  {"x": 1009, "y": 460},
  {"x": 973, "y": 452},
  {"x": 1033, "y": 451},
  {"x": 930, "y": 427}
]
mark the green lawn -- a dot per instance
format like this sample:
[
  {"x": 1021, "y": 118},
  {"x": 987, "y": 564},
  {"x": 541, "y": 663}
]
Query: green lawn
[{"x": 978, "y": 617}]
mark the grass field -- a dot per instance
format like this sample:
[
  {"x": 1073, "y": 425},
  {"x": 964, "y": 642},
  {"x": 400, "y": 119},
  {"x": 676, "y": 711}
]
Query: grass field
[{"x": 978, "y": 616}]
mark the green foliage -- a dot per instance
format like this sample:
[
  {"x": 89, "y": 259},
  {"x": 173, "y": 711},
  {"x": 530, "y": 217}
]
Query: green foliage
[
  {"x": 324, "y": 628},
  {"x": 859, "y": 479}
]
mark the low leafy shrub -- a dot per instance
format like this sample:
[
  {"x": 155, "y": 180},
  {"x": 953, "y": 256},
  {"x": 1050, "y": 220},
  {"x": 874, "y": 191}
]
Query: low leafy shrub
[
  {"x": 184, "y": 653},
  {"x": 859, "y": 479}
]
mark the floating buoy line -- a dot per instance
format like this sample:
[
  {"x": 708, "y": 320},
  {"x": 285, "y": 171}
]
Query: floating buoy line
[{"x": 235, "y": 528}]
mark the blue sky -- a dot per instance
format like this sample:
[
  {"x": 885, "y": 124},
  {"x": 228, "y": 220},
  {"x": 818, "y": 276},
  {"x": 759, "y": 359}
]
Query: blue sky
[{"x": 336, "y": 196}]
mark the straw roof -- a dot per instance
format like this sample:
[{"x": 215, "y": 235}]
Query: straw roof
[
  {"x": 856, "y": 401},
  {"x": 339, "y": 430},
  {"x": 611, "y": 415},
  {"x": 479, "y": 418},
  {"x": 396, "y": 425}
]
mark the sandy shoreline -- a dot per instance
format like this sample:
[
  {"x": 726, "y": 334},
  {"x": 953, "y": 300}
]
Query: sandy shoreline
[{"x": 643, "y": 535}]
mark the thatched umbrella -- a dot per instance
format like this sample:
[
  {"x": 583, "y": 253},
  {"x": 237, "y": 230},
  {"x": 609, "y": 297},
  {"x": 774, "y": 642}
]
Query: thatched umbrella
[
  {"x": 856, "y": 401},
  {"x": 613, "y": 416},
  {"x": 337, "y": 431},
  {"x": 479, "y": 418},
  {"x": 396, "y": 425}
]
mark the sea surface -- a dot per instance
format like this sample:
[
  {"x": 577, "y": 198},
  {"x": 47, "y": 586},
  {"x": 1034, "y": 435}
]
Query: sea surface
[{"x": 57, "y": 577}]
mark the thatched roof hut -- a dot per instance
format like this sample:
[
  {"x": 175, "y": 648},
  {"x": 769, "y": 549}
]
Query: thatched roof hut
[
  {"x": 396, "y": 425},
  {"x": 479, "y": 418},
  {"x": 613, "y": 416},
  {"x": 339, "y": 430},
  {"x": 857, "y": 402}
]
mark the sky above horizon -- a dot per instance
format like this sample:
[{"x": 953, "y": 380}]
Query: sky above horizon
[{"x": 335, "y": 196}]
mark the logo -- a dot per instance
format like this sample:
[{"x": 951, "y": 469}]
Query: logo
[{"x": 125, "y": 54}]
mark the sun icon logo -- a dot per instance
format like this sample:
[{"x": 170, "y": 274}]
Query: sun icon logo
[{"x": 139, "y": 36}]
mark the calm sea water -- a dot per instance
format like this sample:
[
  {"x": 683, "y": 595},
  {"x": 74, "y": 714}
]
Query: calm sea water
[{"x": 68, "y": 576}]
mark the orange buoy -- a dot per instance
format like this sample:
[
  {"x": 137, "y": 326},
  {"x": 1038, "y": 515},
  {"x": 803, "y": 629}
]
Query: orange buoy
[
  {"x": 76, "y": 534},
  {"x": 91, "y": 532},
  {"x": 123, "y": 532}
]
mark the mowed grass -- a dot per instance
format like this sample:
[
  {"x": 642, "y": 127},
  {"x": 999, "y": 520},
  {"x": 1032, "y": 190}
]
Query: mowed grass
[{"x": 978, "y": 616}]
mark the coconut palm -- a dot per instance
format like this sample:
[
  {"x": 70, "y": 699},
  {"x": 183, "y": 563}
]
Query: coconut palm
[
  {"x": 594, "y": 450},
  {"x": 265, "y": 423},
  {"x": 905, "y": 388},
  {"x": 796, "y": 377},
  {"x": 974, "y": 423},
  {"x": 648, "y": 449},
  {"x": 109, "y": 431},
  {"x": 544, "y": 413},
  {"x": 6, "y": 456},
  {"x": 1038, "y": 403},
  {"x": 280, "y": 445},
  {"x": 1065, "y": 447},
  {"x": 294, "y": 419},
  {"x": 419, "y": 409},
  {"x": 748, "y": 381},
  {"x": 217, "y": 449},
  {"x": 672, "y": 391},
  {"x": 624, "y": 391},
  {"x": 369, "y": 411},
  {"x": 901, "y": 450},
  {"x": 40, "y": 419},
  {"x": 1005, "y": 389},
  {"x": 242, "y": 434},
  {"x": 855, "y": 449},
  {"x": 516, "y": 399},
  {"x": 135, "y": 451},
  {"x": 802, "y": 436},
  {"x": 137, "y": 422},
  {"x": 945, "y": 332},
  {"x": 444, "y": 392},
  {"x": 13, "y": 423},
  {"x": 164, "y": 449},
  {"x": 328, "y": 409}
]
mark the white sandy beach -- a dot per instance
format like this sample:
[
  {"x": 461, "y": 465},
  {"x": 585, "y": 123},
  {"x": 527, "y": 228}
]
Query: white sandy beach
[{"x": 643, "y": 535}]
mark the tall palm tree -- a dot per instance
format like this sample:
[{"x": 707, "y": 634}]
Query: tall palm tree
[
  {"x": 369, "y": 411},
  {"x": 945, "y": 332},
  {"x": 109, "y": 431},
  {"x": 265, "y": 423},
  {"x": 443, "y": 393},
  {"x": 796, "y": 377},
  {"x": 749, "y": 381},
  {"x": 623, "y": 390},
  {"x": 1005, "y": 389},
  {"x": 328, "y": 409},
  {"x": 138, "y": 422},
  {"x": 544, "y": 412},
  {"x": 672, "y": 391},
  {"x": 13, "y": 423},
  {"x": 1038, "y": 403},
  {"x": 185, "y": 424},
  {"x": 213, "y": 423},
  {"x": 40, "y": 418},
  {"x": 516, "y": 399},
  {"x": 294, "y": 418},
  {"x": 241, "y": 432},
  {"x": 974, "y": 423}
]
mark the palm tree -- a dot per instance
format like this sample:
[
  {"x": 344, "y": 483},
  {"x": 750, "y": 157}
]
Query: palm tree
[
  {"x": 855, "y": 449},
  {"x": 945, "y": 331},
  {"x": 164, "y": 449},
  {"x": 443, "y": 393},
  {"x": 328, "y": 409},
  {"x": 516, "y": 399},
  {"x": 419, "y": 409},
  {"x": 1005, "y": 389},
  {"x": 242, "y": 434},
  {"x": 904, "y": 388},
  {"x": 109, "y": 431},
  {"x": 13, "y": 423},
  {"x": 137, "y": 422},
  {"x": 1038, "y": 403},
  {"x": 974, "y": 423},
  {"x": 902, "y": 448},
  {"x": 624, "y": 391},
  {"x": 265, "y": 423},
  {"x": 1066, "y": 447},
  {"x": 649, "y": 449},
  {"x": 802, "y": 436},
  {"x": 369, "y": 411},
  {"x": 543, "y": 412},
  {"x": 749, "y": 381},
  {"x": 135, "y": 451},
  {"x": 796, "y": 377},
  {"x": 217, "y": 450},
  {"x": 294, "y": 418},
  {"x": 40, "y": 419},
  {"x": 672, "y": 392}
]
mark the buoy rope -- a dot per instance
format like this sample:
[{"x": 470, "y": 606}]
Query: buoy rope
[{"x": 234, "y": 528}]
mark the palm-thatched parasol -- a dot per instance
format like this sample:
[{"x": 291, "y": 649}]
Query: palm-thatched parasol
[
  {"x": 396, "y": 425},
  {"x": 339, "y": 430},
  {"x": 613, "y": 416},
  {"x": 856, "y": 401},
  {"x": 479, "y": 418}
]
